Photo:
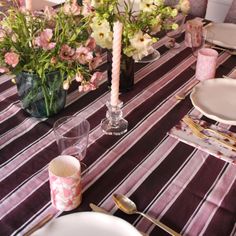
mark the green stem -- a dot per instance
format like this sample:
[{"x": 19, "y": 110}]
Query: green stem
[{"x": 45, "y": 99}]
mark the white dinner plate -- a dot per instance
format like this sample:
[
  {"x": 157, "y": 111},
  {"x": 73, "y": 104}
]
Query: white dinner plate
[
  {"x": 216, "y": 99},
  {"x": 223, "y": 34},
  {"x": 88, "y": 224}
]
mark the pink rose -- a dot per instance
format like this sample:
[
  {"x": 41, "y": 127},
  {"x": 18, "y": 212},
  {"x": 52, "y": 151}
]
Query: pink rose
[
  {"x": 12, "y": 58},
  {"x": 83, "y": 55}
]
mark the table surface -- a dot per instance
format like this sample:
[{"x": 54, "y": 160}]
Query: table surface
[{"x": 185, "y": 188}]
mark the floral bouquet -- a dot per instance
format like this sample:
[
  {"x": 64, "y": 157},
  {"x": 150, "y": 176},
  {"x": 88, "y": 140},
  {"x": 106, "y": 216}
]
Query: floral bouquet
[
  {"x": 40, "y": 44},
  {"x": 142, "y": 20}
]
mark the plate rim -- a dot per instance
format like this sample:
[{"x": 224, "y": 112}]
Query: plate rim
[
  {"x": 78, "y": 214},
  {"x": 220, "y": 43},
  {"x": 211, "y": 116}
]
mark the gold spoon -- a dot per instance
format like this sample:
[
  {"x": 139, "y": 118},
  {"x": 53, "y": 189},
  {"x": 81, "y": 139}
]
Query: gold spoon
[
  {"x": 128, "y": 206},
  {"x": 96, "y": 208}
]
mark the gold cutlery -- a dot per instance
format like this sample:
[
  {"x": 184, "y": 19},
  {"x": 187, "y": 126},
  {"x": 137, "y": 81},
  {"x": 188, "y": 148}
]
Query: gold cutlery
[
  {"x": 96, "y": 208},
  {"x": 126, "y": 205},
  {"x": 231, "y": 52},
  {"x": 198, "y": 131},
  {"x": 182, "y": 95},
  {"x": 39, "y": 225}
]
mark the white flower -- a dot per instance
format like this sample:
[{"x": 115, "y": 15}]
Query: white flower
[
  {"x": 142, "y": 45},
  {"x": 158, "y": 2},
  {"x": 147, "y": 6},
  {"x": 103, "y": 38},
  {"x": 184, "y": 6},
  {"x": 96, "y": 3},
  {"x": 174, "y": 26},
  {"x": 174, "y": 12},
  {"x": 140, "y": 40},
  {"x": 156, "y": 24},
  {"x": 98, "y": 23},
  {"x": 102, "y": 33}
]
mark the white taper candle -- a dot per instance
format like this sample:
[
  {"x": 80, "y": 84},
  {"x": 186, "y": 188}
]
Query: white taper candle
[
  {"x": 28, "y": 5},
  {"x": 116, "y": 50}
]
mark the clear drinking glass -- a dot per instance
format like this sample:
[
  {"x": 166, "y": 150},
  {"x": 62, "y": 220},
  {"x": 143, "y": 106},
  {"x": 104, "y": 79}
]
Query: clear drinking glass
[
  {"x": 203, "y": 40},
  {"x": 197, "y": 42},
  {"x": 72, "y": 134},
  {"x": 174, "y": 34}
]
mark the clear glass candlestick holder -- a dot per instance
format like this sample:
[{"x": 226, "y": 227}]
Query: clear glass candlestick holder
[{"x": 114, "y": 123}]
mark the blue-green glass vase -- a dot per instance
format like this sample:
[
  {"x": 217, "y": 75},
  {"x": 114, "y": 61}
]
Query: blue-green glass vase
[{"x": 41, "y": 97}]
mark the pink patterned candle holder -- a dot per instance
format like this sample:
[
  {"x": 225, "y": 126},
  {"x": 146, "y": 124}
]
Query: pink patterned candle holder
[
  {"x": 206, "y": 64},
  {"x": 65, "y": 182}
]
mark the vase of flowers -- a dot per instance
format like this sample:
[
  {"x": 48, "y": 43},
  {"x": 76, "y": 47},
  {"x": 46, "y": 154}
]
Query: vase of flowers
[
  {"x": 32, "y": 93},
  {"x": 142, "y": 20},
  {"x": 46, "y": 51}
]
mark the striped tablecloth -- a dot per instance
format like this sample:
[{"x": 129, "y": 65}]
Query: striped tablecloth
[{"x": 187, "y": 189}]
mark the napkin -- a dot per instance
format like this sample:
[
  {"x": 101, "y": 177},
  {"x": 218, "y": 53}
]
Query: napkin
[{"x": 183, "y": 133}]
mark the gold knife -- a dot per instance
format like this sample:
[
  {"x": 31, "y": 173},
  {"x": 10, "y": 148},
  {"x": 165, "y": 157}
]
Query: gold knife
[
  {"x": 39, "y": 225},
  {"x": 96, "y": 208}
]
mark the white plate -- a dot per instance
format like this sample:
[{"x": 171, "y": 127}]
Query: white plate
[
  {"x": 216, "y": 99},
  {"x": 223, "y": 34},
  {"x": 88, "y": 224}
]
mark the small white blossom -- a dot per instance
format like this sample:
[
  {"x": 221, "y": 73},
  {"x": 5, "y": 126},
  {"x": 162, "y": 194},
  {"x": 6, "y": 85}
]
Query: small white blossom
[{"x": 147, "y": 6}]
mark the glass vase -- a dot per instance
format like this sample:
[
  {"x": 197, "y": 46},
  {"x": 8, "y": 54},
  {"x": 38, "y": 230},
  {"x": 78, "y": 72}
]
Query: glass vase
[
  {"x": 41, "y": 97},
  {"x": 126, "y": 72}
]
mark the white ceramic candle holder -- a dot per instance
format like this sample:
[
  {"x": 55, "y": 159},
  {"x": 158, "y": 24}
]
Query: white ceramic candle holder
[{"x": 114, "y": 123}]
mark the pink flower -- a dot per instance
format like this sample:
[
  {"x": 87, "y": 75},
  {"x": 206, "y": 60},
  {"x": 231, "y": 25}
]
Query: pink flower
[
  {"x": 96, "y": 77},
  {"x": 4, "y": 69},
  {"x": 12, "y": 59},
  {"x": 49, "y": 12},
  {"x": 86, "y": 87},
  {"x": 72, "y": 9},
  {"x": 93, "y": 84},
  {"x": 91, "y": 44},
  {"x": 83, "y": 55},
  {"x": 79, "y": 77},
  {"x": 44, "y": 39},
  {"x": 53, "y": 60},
  {"x": 87, "y": 9},
  {"x": 2, "y": 35},
  {"x": 95, "y": 62},
  {"x": 66, "y": 53}
]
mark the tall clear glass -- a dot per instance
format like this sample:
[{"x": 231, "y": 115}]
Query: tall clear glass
[{"x": 72, "y": 134}]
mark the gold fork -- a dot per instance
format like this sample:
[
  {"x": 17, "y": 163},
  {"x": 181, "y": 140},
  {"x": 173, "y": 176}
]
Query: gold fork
[
  {"x": 198, "y": 126},
  {"x": 197, "y": 130}
]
